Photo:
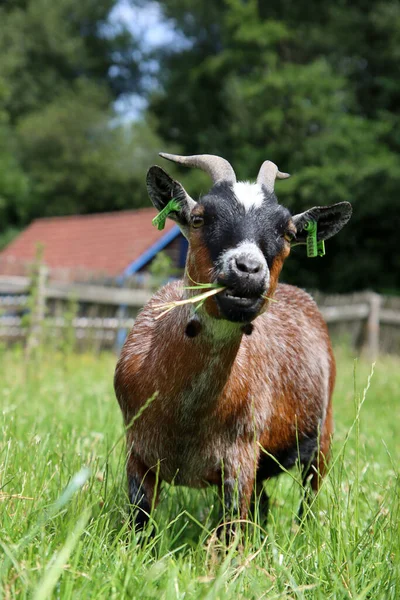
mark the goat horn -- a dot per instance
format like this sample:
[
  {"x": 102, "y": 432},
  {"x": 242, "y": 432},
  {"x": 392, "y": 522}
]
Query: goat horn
[
  {"x": 268, "y": 173},
  {"x": 218, "y": 168}
]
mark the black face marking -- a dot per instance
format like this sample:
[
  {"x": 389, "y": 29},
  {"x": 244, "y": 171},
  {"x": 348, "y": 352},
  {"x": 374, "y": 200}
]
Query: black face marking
[
  {"x": 227, "y": 223},
  {"x": 238, "y": 309},
  {"x": 242, "y": 243}
]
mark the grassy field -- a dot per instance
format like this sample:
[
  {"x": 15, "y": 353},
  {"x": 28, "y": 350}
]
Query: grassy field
[{"x": 63, "y": 505}]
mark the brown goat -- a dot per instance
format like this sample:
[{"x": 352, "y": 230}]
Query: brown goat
[{"x": 241, "y": 374}]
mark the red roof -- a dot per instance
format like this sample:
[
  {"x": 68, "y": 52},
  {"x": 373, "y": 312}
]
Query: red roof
[{"x": 106, "y": 243}]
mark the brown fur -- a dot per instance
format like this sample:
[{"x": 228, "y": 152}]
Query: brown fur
[
  {"x": 200, "y": 268},
  {"x": 275, "y": 273},
  {"x": 221, "y": 394}
]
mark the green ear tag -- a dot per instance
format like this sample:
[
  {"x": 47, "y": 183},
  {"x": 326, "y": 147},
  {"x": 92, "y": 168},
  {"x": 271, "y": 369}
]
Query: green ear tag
[
  {"x": 172, "y": 206},
  {"x": 314, "y": 248},
  {"x": 311, "y": 241}
]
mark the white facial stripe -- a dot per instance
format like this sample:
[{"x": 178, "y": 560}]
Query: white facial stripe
[
  {"x": 247, "y": 248},
  {"x": 248, "y": 194}
]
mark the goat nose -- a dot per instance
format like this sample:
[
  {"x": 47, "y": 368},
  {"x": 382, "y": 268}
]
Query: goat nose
[{"x": 248, "y": 264}]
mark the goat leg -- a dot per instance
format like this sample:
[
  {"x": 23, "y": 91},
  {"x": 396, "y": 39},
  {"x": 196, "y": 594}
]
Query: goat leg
[{"x": 142, "y": 491}]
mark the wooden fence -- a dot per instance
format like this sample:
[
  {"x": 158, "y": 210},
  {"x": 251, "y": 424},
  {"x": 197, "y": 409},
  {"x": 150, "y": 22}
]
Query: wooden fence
[
  {"x": 367, "y": 321},
  {"x": 103, "y": 314},
  {"x": 30, "y": 307}
]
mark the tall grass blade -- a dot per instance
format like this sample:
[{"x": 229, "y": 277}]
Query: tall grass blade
[{"x": 55, "y": 568}]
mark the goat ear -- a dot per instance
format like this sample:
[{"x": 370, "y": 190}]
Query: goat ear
[
  {"x": 162, "y": 188},
  {"x": 330, "y": 220}
]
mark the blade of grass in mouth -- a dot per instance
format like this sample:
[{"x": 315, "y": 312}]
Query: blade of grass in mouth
[{"x": 167, "y": 306}]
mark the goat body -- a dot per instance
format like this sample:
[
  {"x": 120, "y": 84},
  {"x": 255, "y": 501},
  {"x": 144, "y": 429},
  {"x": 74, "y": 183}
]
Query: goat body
[
  {"x": 221, "y": 396},
  {"x": 241, "y": 388}
]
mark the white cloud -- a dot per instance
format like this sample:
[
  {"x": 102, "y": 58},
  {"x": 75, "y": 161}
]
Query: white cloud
[{"x": 146, "y": 23}]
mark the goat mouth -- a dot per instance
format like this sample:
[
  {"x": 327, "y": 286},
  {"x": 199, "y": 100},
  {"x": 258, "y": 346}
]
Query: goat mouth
[
  {"x": 240, "y": 298},
  {"x": 238, "y": 306}
]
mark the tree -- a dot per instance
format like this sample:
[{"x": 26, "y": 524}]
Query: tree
[
  {"x": 62, "y": 150},
  {"x": 302, "y": 85},
  {"x": 14, "y": 184},
  {"x": 47, "y": 46},
  {"x": 78, "y": 161}
]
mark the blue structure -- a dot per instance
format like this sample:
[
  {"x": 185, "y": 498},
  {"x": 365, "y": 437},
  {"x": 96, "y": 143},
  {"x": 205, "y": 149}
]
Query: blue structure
[
  {"x": 150, "y": 253},
  {"x": 146, "y": 257}
]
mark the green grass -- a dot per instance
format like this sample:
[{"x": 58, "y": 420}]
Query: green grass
[{"x": 63, "y": 505}]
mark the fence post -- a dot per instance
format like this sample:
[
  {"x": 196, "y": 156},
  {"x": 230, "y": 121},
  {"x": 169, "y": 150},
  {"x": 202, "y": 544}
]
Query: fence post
[
  {"x": 38, "y": 310},
  {"x": 371, "y": 347},
  {"x": 41, "y": 296}
]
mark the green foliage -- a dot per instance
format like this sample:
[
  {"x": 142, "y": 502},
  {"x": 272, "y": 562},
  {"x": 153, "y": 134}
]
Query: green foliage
[
  {"x": 14, "y": 183},
  {"x": 67, "y": 338},
  {"x": 77, "y": 160},
  {"x": 62, "y": 150},
  {"x": 46, "y": 46},
  {"x": 63, "y": 505},
  {"x": 312, "y": 87},
  {"x": 161, "y": 270}
]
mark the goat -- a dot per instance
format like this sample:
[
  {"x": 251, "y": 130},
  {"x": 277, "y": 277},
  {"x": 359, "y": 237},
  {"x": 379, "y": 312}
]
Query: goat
[{"x": 242, "y": 374}]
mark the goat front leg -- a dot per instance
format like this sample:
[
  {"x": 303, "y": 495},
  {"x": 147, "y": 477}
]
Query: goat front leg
[
  {"x": 237, "y": 490},
  {"x": 314, "y": 472},
  {"x": 142, "y": 490},
  {"x": 260, "y": 502}
]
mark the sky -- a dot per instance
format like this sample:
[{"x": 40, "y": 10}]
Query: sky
[{"x": 149, "y": 25}]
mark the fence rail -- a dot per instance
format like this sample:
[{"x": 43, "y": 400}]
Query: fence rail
[
  {"x": 96, "y": 294},
  {"x": 363, "y": 314}
]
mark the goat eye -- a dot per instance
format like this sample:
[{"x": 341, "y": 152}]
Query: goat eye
[
  {"x": 197, "y": 221},
  {"x": 289, "y": 236}
]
